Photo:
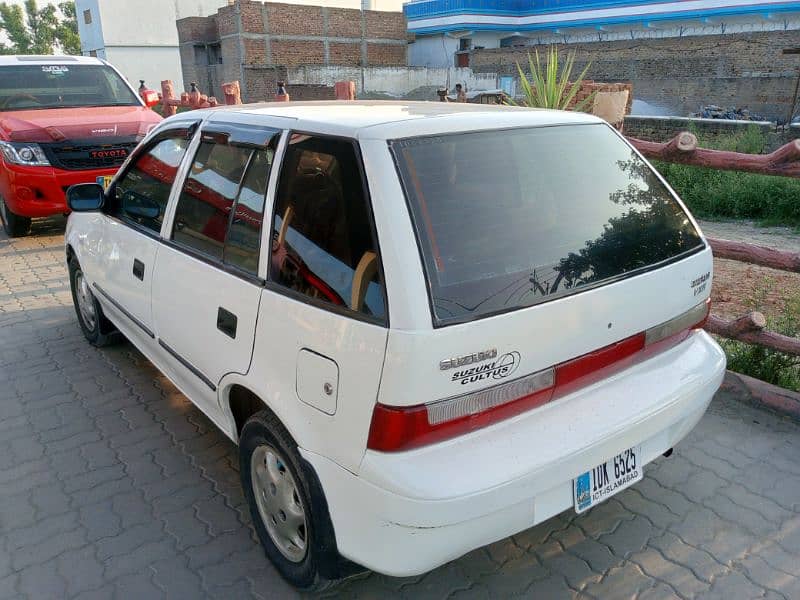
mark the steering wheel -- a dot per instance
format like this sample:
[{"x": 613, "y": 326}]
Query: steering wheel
[{"x": 10, "y": 100}]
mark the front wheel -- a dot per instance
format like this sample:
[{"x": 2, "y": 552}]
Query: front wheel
[
  {"x": 288, "y": 509},
  {"x": 14, "y": 225},
  {"x": 97, "y": 329}
]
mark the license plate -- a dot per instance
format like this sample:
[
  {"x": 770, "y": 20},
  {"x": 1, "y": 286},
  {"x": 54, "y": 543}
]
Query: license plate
[
  {"x": 105, "y": 180},
  {"x": 607, "y": 478}
]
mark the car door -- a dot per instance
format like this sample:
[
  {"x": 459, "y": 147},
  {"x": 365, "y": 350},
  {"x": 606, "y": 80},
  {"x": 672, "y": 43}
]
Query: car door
[
  {"x": 124, "y": 257},
  {"x": 206, "y": 287},
  {"x": 323, "y": 320}
]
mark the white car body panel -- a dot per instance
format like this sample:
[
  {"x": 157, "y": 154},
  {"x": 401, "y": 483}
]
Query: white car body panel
[{"x": 404, "y": 513}]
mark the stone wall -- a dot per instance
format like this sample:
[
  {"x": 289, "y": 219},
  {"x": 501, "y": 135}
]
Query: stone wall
[
  {"x": 681, "y": 74},
  {"x": 662, "y": 129},
  {"x": 271, "y": 35}
]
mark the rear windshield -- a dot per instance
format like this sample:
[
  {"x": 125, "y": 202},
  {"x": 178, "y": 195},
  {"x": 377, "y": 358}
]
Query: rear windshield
[
  {"x": 507, "y": 219},
  {"x": 26, "y": 87}
]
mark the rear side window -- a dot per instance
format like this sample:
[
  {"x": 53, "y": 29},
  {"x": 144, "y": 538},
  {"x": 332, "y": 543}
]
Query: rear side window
[
  {"x": 507, "y": 219},
  {"x": 206, "y": 200},
  {"x": 323, "y": 242},
  {"x": 142, "y": 192}
]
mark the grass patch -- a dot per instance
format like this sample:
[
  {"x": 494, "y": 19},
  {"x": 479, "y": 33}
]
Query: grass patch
[
  {"x": 710, "y": 193},
  {"x": 767, "y": 365}
]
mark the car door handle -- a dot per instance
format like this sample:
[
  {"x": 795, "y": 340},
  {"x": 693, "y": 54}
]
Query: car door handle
[
  {"x": 226, "y": 322},
  {"x": 138, "y": 269}
]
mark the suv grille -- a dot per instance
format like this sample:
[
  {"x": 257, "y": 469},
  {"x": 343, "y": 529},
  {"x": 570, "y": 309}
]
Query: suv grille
[{"x": 78, "y": 155}]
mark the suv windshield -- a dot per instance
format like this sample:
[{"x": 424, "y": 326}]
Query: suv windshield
[
  {"x": 26, "y": 87},
  {"x": 511, "y": 218}
]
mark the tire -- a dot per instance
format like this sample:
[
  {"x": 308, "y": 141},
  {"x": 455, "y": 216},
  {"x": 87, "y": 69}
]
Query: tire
[
  {"x": 97, "y": 329},
  {"x": 318, "y": 565},
  {"x": 14, "y": 225}
]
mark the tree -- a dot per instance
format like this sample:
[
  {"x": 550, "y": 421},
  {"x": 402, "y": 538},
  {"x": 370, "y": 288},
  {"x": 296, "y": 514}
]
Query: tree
[{"x": 35, "y": 30}]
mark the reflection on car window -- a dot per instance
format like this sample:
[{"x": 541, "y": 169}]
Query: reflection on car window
[
  {"x": 142, "y": 193},
  {"x": 508, "y": 219},
  {"x": 201, "y": 216},
  {"x": 243, "y": 242},
  {"x": 323, "y": 245}
]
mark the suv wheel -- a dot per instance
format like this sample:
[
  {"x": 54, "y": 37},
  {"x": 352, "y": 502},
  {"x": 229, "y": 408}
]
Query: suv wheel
[
  {"x": 94, "y": 324},
  {"x": 14, "y": 225},
  {"x": 286, "y": 502}
]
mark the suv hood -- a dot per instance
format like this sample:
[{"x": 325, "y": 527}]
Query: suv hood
[{"x": 61, "y": 124}]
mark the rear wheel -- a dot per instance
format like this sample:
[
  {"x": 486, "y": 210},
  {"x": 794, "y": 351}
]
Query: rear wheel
[
  {"x": 14, "y": 225},
  {"x": 288, "y": 508},
  {"x": 95, "y": 326}
]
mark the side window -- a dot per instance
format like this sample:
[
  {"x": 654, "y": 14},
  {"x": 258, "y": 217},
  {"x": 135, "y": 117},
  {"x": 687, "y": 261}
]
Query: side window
[
  {"x": 207, "y": 197},
  {"x": 323, "y": 244},
  {"x": 141, "y": 194},
  {"x": 244, "y": 237}
]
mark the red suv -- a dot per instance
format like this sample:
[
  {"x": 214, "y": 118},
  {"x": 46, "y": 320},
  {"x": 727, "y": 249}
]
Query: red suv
[{"x": 63, "y": 120}]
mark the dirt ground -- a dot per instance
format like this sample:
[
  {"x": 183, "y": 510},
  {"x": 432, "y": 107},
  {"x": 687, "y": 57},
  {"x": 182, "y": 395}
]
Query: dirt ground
[{"x": 739, "y": 288}]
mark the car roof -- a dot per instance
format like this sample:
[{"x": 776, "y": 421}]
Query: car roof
[
  {"x": 380, "y": 119},
  {"x": 32, "y": 59}
]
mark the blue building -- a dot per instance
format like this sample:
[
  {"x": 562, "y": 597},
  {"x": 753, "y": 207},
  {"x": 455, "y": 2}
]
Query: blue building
[{"x": 446, "y": 31}]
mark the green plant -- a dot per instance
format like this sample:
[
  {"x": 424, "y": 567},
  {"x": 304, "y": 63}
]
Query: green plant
[
  {"x": 37, "y": 30},
  {"x": 549, "y": 86},
  {"x": 768, "y": 365},
  {"x": 710, "y": 193}
]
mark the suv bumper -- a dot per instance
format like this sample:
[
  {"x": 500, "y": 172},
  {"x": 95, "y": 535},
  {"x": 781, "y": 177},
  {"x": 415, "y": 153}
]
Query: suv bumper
[
  {"x": 41, "y": 191},
  {"x": 410, "y": 512}
]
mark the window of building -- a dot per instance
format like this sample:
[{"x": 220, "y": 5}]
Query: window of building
[
  {"x": 87, "y": 17},
  {"x": 141, "y": 194},
  {"x": 323, "y": 242},
  {"x": 206, "y": 200},
  {"x": 465, "y": 44}
]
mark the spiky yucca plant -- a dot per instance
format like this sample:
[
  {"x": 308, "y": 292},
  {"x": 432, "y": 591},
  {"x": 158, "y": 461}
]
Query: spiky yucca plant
[{"x": 549, "y": 86}]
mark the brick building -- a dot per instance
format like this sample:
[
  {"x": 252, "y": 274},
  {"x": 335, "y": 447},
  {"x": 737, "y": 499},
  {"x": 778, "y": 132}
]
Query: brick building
[
  {"x": 681, "y": 74},
  {"x": 255, "y": 42}
]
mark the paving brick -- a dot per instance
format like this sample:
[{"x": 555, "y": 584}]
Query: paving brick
[{"x": 113, "y": 485}]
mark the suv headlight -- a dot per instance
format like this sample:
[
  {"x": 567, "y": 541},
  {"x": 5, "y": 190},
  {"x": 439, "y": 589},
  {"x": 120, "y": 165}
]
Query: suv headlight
[{"x": 23, "y": 153}]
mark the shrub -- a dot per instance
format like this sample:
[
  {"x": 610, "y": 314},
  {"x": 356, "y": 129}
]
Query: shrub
[
  {"x": 768, "y": 365},
  {"x": 710, "y": 193}
]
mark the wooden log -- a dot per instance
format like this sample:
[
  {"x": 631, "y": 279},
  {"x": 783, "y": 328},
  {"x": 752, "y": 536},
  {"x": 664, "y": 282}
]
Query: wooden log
[
  {"x": 754, "y": 321},
  {"x": 168, "y": 98},
  {"x": 751, "y": 333},
  {"x": 756, "y": 255},
  {"x": 785, "y": 161},
  {"x": 232, "y": 92}
]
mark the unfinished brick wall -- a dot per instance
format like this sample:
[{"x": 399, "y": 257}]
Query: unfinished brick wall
[
  {"x": 275, "y": 35},
  {"x": 681, "y": 74}
]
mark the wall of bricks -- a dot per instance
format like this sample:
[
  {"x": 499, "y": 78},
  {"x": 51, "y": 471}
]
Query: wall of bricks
[
  {"x": 682, "y": 74},
  {"x": 662, "y": 129},
  {"x": 311, "y": 92},
  {"x": 276, "y": 35}
]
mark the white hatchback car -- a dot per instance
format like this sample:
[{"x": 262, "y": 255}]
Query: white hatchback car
[{"x": 428, "y": 326}]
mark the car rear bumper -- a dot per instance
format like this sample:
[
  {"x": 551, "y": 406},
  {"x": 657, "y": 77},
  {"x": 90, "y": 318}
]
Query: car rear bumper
[
  {"x": 41, "y": 191},
  {"x": 407, "y": 513}
]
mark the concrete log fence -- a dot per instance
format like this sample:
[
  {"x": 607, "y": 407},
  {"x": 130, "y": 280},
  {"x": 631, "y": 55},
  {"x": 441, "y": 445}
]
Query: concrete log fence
[{"x": 785, "y": 162}]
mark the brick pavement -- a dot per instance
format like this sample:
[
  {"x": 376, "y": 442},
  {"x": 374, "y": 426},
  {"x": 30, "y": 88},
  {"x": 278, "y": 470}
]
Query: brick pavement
[{"x": 113, "y": 485}]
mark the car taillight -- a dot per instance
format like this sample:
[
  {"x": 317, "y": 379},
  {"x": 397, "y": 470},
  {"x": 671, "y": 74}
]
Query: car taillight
[{"x": 396, "y": 428}]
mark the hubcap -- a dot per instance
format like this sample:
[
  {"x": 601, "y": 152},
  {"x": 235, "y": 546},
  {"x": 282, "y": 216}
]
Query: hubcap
[
  {"x": 279, "y": 503},
  {"x": 85, "y": 301}
]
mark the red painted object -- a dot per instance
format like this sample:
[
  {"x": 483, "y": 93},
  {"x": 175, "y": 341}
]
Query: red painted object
[{"x": 51, "y": 141}]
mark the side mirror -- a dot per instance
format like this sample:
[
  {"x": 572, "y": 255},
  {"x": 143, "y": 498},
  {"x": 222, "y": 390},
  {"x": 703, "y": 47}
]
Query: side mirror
[
  {"x": 85, "y": 197},
  {"x": 150, "y": 97},
  {"x": 140, "y": 207}
]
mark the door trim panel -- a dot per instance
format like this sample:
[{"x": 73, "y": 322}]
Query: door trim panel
[
  {"x": 188, "y": 365},
  {"x": 125, "y": 312}
]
